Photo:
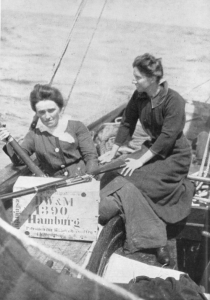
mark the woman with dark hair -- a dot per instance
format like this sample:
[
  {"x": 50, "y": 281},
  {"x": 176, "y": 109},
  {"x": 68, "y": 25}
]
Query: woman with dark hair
[
  {"x": 63, "y": 147},
  {"x": 155, "y": 190}
]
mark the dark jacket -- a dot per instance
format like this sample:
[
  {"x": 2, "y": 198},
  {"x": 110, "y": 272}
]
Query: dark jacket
[
  {"x": 57, "y": 157},
  {"x": 162, "y": 180}
]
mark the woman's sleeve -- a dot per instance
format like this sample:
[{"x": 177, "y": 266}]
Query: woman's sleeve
[
  {"x": 129, "y": 120},
  {"x": 27, "y": 145},
  {"x": 86, "y": 147},
  {"x": 173, "y": 125}
]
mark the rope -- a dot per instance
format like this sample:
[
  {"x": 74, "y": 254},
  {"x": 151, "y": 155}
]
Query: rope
[
  {"x": 78, "y": 13},
  {"x": 196, "y": 87},
  {"x": 207, "y": 100},
  {"x": 206, "y": 153},
  {"x": 17, "y": 234},
  {"x": 75, "y": 80},
  {"x": 207, "y": 167}
]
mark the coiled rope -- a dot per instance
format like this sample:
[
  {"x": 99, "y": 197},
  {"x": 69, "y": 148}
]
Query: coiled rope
[
  {"x": 197, "y": 86},
  {"x": 17, "y": 234}
]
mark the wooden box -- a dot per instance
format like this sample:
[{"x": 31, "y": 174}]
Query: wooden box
[{"x": 69, "y": 213}]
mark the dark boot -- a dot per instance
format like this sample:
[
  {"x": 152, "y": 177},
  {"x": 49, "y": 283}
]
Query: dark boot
[{"x": 163, "y": 256}]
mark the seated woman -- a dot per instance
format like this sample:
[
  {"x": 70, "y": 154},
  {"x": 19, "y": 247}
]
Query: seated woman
[
  {"x": 63, "y": 147},
  {"x": 155, "y": 190}
]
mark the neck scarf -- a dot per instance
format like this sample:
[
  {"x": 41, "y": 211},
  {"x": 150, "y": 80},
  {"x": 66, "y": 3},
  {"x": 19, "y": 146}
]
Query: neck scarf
[{"x": 58, "y": 131}]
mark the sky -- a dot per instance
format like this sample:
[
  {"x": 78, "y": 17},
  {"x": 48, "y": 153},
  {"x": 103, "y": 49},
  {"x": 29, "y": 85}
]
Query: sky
[{"x": 190, "y": 13}]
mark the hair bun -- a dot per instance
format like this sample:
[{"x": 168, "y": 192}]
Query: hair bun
[{"x": 149, "y": 65}]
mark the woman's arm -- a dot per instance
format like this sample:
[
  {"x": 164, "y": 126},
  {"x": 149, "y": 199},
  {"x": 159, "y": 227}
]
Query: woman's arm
[
  {"x": 129, "y": 120},
  {"x": 86, "y": 147},
  {"x": 173, "y": 125},
  {"x": 126, "y": 129},
  {"x": 27, "y": 145}
]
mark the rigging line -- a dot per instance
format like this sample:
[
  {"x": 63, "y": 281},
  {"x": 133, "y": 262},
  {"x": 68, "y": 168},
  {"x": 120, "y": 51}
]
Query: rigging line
[
  {"x": 78, "y": 13},
  {"x": 75, "y": 80},
  {"x": 196, "y": 87},
  {"x": 207, "y": 100}
]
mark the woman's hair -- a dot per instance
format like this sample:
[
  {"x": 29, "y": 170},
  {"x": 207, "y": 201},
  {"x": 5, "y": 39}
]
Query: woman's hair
[
  {"x": 45, "y": 92},
  {"x": 149, "y": 66}
]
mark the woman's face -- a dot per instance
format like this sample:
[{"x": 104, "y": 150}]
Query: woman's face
[
  {"x": 142, "y": 82},
  {"x": 48, "y": 112}
]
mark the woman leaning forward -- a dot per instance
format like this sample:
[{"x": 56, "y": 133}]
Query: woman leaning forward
[{"x": 152, "y": 190}]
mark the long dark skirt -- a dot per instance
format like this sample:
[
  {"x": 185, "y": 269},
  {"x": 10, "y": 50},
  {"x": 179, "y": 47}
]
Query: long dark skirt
[
  {"x": 144, "y": 229},
  {"x": 162, "y": 185}
]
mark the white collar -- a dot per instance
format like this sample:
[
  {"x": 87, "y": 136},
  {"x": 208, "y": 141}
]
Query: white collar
[{"x": 59, "y": 131}]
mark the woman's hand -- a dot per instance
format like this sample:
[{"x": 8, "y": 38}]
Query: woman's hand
[
  {"x": 4, "y": 133},
  {"x": 106, "y": 157},
  {"x": 131, "y": 165}
]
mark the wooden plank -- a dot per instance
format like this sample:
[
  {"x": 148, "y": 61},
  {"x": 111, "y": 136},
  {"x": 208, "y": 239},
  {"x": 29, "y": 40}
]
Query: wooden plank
[
  {"x": 61, "y": 214},
  {"x": 23, "y": 277},
  {"x": 121, "y": 269},
  {"x": 74, "y": 250}
]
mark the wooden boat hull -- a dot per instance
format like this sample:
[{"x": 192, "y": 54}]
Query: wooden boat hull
[
  {"x": 191, "y": 241},
  {"x": 23, "y": 277},
  {"x": 192, "y": 247},
  {"x": 192, "y": 235},
  {"x": 196, "y": 119},
  {"x": 111, "y": 238}
]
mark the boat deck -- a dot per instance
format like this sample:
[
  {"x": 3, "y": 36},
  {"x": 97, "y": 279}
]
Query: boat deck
[
  {"x": 78, "y": 250},
  {"x": 149, "y": 256},
  {"x": 74, "y": 250}
]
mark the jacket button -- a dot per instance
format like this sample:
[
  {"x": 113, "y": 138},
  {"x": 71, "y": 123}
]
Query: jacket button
[
  {"x": 66, "y": 173},
  {"x": 57, "y": 150},
  {"x": 62, "y": 166}
]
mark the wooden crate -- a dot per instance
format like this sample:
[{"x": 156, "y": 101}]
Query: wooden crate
[{"x": 69, "y": 213}]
